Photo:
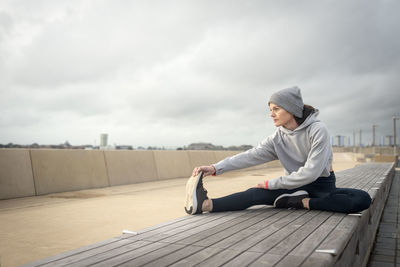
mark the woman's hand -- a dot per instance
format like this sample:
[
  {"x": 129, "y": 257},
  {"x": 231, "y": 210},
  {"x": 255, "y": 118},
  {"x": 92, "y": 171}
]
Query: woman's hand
[
  {"x": 261, "y": 185},
  {"x": 207, "y": 170}
]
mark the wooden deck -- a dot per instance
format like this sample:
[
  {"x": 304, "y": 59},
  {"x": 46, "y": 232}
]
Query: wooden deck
[{"x": 260, "y": 236}]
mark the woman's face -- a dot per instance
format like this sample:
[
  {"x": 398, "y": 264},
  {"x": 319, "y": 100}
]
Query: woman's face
[{"x": 281, "y": 117}]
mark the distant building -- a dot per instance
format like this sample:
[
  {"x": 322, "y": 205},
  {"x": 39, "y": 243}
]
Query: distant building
[
  {"x": 124, "y": 147},
  {"x": 203, "y": 146},
  {"x": 209, "y": 146},
  {"x": 103, "y": 139},
  {"x": 240, "y": 148}
]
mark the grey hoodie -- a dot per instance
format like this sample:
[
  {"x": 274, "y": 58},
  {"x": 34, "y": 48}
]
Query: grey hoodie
[{"x": 305, "y": 153}]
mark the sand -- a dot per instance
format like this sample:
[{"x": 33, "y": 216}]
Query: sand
[{"x": 33, "y": 228}]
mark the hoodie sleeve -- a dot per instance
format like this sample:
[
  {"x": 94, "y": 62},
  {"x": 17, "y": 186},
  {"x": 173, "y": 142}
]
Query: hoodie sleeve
[
  {"x": 317, "y": 160},
  {"x": 263, "y": 153}
]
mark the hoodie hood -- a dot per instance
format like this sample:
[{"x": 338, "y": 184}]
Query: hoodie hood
[{"x": 312, "y": 118}]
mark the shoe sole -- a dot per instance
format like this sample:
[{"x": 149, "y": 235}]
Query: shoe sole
[
  {"x": 297, "y": 193},
  {"x": 191, "y": 199}
]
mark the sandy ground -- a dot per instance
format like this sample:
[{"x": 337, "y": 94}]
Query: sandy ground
[{"x": 37, "y": 227}]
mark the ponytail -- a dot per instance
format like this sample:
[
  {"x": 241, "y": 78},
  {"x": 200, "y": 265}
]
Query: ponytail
[{"x": 307, "y": 110}]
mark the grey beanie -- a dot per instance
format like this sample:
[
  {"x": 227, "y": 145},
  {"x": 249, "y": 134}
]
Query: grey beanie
[{"x": 290, "y": 99}]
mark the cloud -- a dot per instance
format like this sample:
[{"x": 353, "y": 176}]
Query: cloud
[{"x": 176, "y": 72}]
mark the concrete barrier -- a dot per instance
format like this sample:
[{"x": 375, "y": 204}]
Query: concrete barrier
[
  {"x": 384, "y": 158},
  {"x": 16, "y": 179},
  {"x": 220, "y": 155},
  {"x": 68, "y": 170},
  {"x": 38, "y": 172},
  {"x": 129, "y": 167},
  {"x": 199, "y": 158},
  {"x": 384, "y": 150},
  {"x": 172, "y": 164}
]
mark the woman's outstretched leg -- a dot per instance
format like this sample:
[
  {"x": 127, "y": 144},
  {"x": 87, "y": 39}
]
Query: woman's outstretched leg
[
  {"x": 246, "y": 199},
  {"x": 197, "y": 201}
]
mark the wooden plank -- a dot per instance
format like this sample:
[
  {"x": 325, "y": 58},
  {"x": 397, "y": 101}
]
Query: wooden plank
[
  {"x": 320, "y": 259},
  {"x": 269, "y": 243},
  {"x": 159, "y": 250},
  {"x": 251, "y": 231},
  {"x": 345, "y": 236},
  {"x": 308, "y": 245},
  {"x": 152, "y": 256},
  {"x": 369, "y": 181},
  {"x": 232, "y": 229},
  {"x": 185, "y": 219},
  {"x": 164, "y": 233},
  {"x": 350, "y": 255},
  {"x": 132, "y": 260},
  {"x": 243, "y": 259},
  {"x": 360, "y": 172},
  {"x": 220, "y": 258},
  {"x": 357, "y": 178},
  {"x": 124, "y": 255},
  {"x": 197, "y": 258},
  {"x": 71, "y": 253},
  {"x": 367, "y": 237},
  {"x": 142, "y": 259},
  {"x": 228, "y": 254},
  {"x": 175, "y": 256},
  {"x": 93, "y": 253},
  {"x": 304, "y": 232},
  {"x": 219, "y": 228},
  {"x": 199, "y": 228},
  {"x": 266, "y": 260},
  {"x": 98, "y": 256},
  {"x": 292, "y": 216}
]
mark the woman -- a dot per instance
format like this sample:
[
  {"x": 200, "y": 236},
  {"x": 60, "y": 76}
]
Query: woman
[{"x": 302, "y": 144}]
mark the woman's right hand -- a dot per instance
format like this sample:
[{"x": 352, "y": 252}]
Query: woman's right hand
[{"x": 207, "y": 170}]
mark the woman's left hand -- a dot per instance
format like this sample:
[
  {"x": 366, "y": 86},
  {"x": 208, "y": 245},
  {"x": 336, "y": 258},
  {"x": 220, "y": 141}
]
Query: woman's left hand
[{"x": 261, "y": 185}]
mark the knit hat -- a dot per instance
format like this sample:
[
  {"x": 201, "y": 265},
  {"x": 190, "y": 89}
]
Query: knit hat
[{"x": 290, "y": 99}]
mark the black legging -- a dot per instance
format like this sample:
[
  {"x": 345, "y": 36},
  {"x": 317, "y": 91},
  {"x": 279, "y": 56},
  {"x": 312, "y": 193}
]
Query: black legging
[{"x": 323, "y": 193}]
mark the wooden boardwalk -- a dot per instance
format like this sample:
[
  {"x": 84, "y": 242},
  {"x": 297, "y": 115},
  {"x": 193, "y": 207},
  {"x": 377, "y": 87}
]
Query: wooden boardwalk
[{"x": 260, "y": 236}]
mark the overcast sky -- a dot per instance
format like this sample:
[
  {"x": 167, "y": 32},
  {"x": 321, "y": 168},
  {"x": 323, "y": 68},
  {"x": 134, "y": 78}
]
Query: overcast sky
[{"x": 169, "y": 73}]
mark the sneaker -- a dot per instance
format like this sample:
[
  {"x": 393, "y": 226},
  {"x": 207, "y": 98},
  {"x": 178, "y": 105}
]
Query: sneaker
[
  {"x": 291, "y": 201},
  {"x": 195, "y": 194}
]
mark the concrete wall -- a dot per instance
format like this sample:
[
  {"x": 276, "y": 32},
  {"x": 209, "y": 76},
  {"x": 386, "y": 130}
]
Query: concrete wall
[
  {"x": 200, "y": 158},
  {"x": 220, "y": 155},
  {"x": 386, "y": 158},
  {"x": 68, "y": 170},
  {"x": 368, "y": 150},
  {"x": 16, "y": 179},
  {"x": 38, "y": 172},
  {"x": 172, "y": 164},
  {"x": 129, "y": 167}
]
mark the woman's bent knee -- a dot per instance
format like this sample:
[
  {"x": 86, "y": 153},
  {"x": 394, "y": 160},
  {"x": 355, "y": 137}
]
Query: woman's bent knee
[{"x": 361, "y": 200}]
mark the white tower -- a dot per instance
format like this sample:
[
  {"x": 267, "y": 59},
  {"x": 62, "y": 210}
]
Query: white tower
[{"x": 103, "y": 140}]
